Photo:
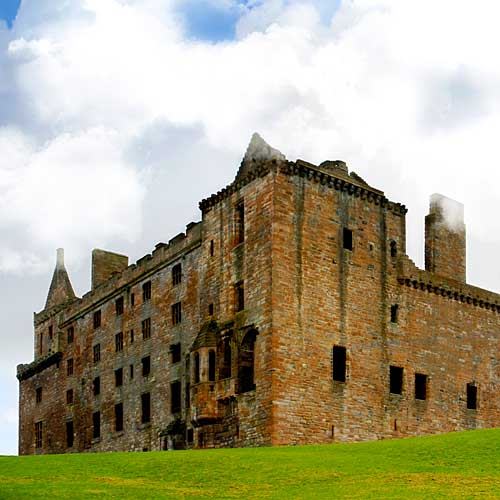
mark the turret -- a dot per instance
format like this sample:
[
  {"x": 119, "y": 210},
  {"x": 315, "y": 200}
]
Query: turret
[{"x": 61, "y": 290}]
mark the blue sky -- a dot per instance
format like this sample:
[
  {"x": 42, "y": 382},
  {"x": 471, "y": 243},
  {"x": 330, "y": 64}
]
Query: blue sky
[{"x": 8, "y": 10}]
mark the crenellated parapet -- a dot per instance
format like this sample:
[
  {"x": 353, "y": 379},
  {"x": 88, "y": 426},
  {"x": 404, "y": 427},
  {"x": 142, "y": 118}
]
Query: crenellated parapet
[{"x": 25, "y": 372}]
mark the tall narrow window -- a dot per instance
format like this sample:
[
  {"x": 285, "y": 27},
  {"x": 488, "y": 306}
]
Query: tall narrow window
[
  {"x": 176, "y": 274},
  {"x": 131, "y": 336},
  {"x": 225, "y": 371},
  {"x": 131, "y": 372},
  {"x": 420, "y": 386},
  {"x": 239, "y": 291},
  {"x": 119, "y": 306},
  {"x": 146, "y": 328},
  {"x": 70, "y": 435},
  {"x": 119, "y": 417},
  {"x": 212, "y": 248},
  {"x": 145, "y": 408},
  {"x": 69, "y": 397},
  {"x": 51, "y": 332},
  {"x": 471, "y": 396},
  {"x": 175, "y": 397},
  {"x": 347, "y": 238},
  {"x": 146, "y": 291},
  {"x": 96, "y": 386},
  {"x": 175, "y": 351},
  {"x": 38, "y": 395},
  {"x": 339, "y": 355},
  {"x": 246, "y": 368},
  {"x": 96, "y": 424},
  {"x": 196, "y": 368},
  {"x": 38, "y": 434},
  {"x": 394, "y": 313},
  {"x": 119, "y": 342},
  {"x": 69, "y": 367},
  {"x": 240, "y": 222},
  {"x": 210, "y": 309},
  {"x": 394, "y": 249},
  {"x": 119, "y": 377},
  {"x": 40, "y": 346},
  {"x": 146, "y": 366},
  {"x": 97, "y": 353},
  {"x": 188, "y": 395},
  {"x": 176, "y": 313},
  {"x": 71, "y": 334},
  {"x": 211, "y": 366},
  {"x": 97, "y": 319},
  {"x": 395, "y": 380},
  {"x": 132, "y": 299}
]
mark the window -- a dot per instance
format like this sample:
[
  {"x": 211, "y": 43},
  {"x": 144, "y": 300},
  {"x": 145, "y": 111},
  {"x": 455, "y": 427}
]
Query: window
[
  {"x": 347, "y": 239},
  {"x": 69, "y": 397},
  {"x": 394, "y": 249},
  {"x": 71, "y": 334},
  {"x": 119, "y": 377},
  {"x": 175, "y": 350},
  {"x": 394, "y": 313},
  {"x": 131, "y": 372},
  {"x": 176, "y": 274},
  {"x": 119, "y": 342},
  {"x": 190, "y": 436},
  {"x": 196, "y": 368},
  {"x": 226, "y": 358},
  {"x": 38, "y": 397},
  {"x": 96, "y": 386},
  {"x": 420, "y": 386},
  {"x": 175, "y": 397},
  {"x": 69, "y": 367},
  {"x": 211, "y": 366},
  {"x": 146, "y": 291},
  {"x": 212, "y": 248},
  {"x": 97, "y": 319},
  {"x": 38, "y": 434},
  {"x": 51, "y": 332},
  {"x": 239, "y": 292},
  {"x": 70, "y": 435},
  {"x": 339, "y": 355},
  {"x": 395, "y": 380},
  {"x": 188, "y": 394},
  {"x": 176, "y": 313},
  {"x": 471, "y": 396},
  {"x": 246, "y": 364},
  {"x": 119, "y": 417},
  {"x": 146, "y": 366},
  {"x": 131, "y": 336},
  {"x": 119, "y": 306},
  {"x": 40, "y": 346},
  {"x": 97, "y": 353},
  {"x": 132, "y": 299},
  {"x": 146, "y": 328},
  {"x": 145, "y": 407},
  {"x": 240, "y": 222},
  {"x": 96, "y": 424},
  {"x": 210, "y": 309}
]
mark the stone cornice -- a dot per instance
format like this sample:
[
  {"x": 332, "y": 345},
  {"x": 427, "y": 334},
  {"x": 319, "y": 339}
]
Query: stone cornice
[{"x": 25, "y": 372}]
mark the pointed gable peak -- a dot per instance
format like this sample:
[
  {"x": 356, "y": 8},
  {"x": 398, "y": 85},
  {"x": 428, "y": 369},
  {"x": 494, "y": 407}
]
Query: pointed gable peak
[{"x": 60, "y": 290}]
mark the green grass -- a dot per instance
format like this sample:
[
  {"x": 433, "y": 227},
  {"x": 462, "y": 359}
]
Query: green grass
[{"x": 457, "y": 465}]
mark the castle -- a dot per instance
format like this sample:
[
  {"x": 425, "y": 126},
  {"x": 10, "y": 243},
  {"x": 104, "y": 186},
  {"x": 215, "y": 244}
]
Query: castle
[{"x": 290, "y": 314}]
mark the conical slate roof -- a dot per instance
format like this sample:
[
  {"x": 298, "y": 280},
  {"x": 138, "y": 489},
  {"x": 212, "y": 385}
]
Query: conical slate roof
[{"x": 60, "y": 290}]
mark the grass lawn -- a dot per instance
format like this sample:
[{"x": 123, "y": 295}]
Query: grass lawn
[{"x": 457, "y": 465}]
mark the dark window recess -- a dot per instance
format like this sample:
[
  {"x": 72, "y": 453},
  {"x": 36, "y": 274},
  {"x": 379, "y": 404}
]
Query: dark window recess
[
  {"x": 190, "y": 436},
  {"x": 145, "y": 407},
  {"x": 70, "y": 435},
  {"x": 119, "y": 306},
  {"x": 211, "y": 366},
  {"x": 212, "y": 248},
  {"x": 97, "y": 353},
  {"x": 176, "y": 313},
  {"x": 239, "y": 291},
  {"x": 471, "y": 397},
  {"x": 96, "y": 424},
  {"x": 119, "y": 342},
  {"x": 119, "y": 417},
  {"x": 175, "y": 397},
  {"x": 69, "y": 397},
  {"x": 347, "y": 238},
  {"x": 131, "y": 372},
  {"x": 175, "y": 350},
  {"x": 40, "y": 345},
  {"x": 196, "y": 368},
  {"x": 394, "y": 249},
  {"x": 71, "y": 335},
  {"x": 420, "y": 386},
  {"x": 188, "y": 395},
  {"x": 395, "y": 380},
  {"x": 51, "y": 332},
  {"x": 339, "y": 356},
  {"x": 210, "y": 309},
  {"x": 176, "y": 274},
  {"x": 394, "y": 313},
  {"x": 146, "y": 366},
  {"x": 38, "y": 396},
  {"x": 240, "y": 222},
  {"x": 146, "y": 328},
  {"x": 246, "y": 368},
  {"x": 131, "y": 336},
  {"x": 38, "y": 434},
  {"x": 119, "y": 377},
  {"x": 132, "y": 299},
  {"x": 97, "y": 319},
  {"x": 96, "y": 386},
  {"x": 146, "y": 291},
  {"x": 225, "y": 371},
  {"x": 69, "y": 367}
]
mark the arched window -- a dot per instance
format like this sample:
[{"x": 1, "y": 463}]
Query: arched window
[
  {"x": 211, "y": 366},
  {"x": 196, "y": 368},
  {"x": 225, "y": 371},
  {"x": 246, "y": 366},
  {"x": 394, "y": 249}
]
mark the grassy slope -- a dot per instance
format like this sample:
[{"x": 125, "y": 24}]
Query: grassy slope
[{"x": 458, "y": 465}]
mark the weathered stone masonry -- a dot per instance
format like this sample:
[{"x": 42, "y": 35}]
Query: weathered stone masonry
[{"x": 290, "y": 314}]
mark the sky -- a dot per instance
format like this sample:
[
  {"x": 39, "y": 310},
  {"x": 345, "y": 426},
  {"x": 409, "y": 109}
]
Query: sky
[{"x": 118, "y": 116}]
